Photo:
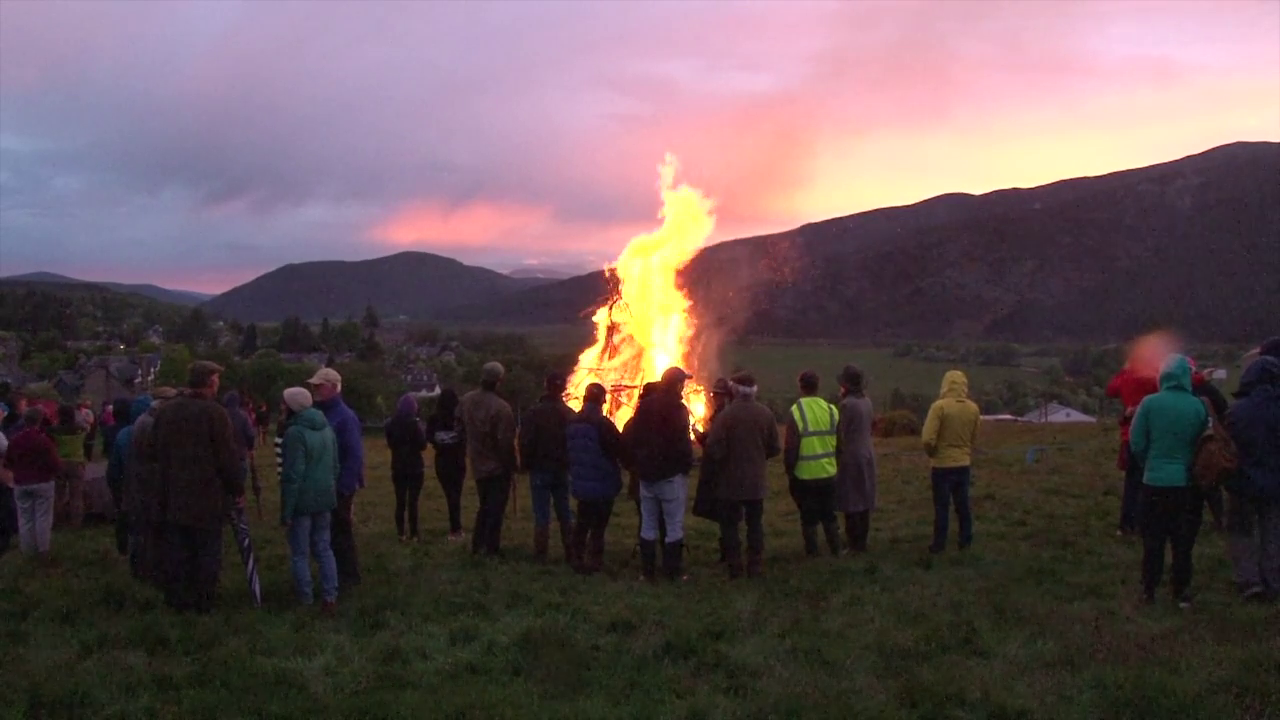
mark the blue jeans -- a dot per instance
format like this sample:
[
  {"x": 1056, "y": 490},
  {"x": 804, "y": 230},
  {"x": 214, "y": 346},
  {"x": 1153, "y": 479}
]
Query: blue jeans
[
  {"x": 665, "y": 498},
  {"x": 311, "y": 533},
  {"x": 545, "y": 487},
  {"x": 951, "y": 485}
]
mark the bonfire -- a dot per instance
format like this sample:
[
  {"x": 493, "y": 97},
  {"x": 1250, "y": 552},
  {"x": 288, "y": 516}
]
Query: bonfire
[{"x": 643, "y": 325}]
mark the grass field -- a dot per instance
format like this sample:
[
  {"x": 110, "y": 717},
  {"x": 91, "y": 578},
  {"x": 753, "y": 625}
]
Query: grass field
[{"x": 1039, "y": 620}]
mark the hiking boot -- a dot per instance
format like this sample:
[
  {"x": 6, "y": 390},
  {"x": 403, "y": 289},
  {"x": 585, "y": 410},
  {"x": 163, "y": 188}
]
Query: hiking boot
[
  {"x": 673, "y": 560},
  {"x": 541, "y": 538},
  {"x": 734, "y": 560},
  {"x": 578, "y": 549},
  {"x": 832, "y": 531},
  {"x": 810, "y": 535},
  {"x": 595, "y": 553},
  {"x": 648, "y": 558}
]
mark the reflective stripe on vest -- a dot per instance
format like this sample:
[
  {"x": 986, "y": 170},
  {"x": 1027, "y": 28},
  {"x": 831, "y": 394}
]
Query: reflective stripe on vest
[{"x": 816, "y": 420}]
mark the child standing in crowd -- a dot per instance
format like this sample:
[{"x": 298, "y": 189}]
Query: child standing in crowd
[{"x": 407, "y": 441}]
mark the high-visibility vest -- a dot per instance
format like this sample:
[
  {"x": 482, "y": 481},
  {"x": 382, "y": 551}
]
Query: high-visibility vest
[{"x": 816, "y": 420}]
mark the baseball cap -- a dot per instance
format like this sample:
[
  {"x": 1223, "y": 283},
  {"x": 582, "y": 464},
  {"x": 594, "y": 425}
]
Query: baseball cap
[
  {"x": 326, "y": 376},
  {"x": 675, "y": 374}
]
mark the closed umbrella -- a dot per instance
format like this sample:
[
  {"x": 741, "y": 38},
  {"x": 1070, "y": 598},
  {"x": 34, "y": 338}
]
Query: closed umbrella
[{"x": 240, "y": 526}]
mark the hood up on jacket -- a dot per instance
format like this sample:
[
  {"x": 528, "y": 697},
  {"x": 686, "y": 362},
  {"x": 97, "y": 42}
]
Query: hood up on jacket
[
  {"x": 955, "y": 385},
  {"x": 407, "y": 406},
  {"x": 1262, "y": 375},
  {"x": 1176, "y": 373},
  {"x": 309, "y": 419},
  {"x": 231, "y": 401},
  {"x": 140, "y": 406}
]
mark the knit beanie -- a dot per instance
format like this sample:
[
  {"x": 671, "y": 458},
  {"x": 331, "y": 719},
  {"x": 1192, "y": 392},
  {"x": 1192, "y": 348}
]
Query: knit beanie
[{"x": 297, "y": 399}]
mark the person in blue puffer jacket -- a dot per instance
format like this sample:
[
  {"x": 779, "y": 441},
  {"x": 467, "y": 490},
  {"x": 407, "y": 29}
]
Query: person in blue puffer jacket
[
  {"x": 120, "y": 454},
  {"x": 1253, "y": 518},
  {"x": 595, "y": 475}
]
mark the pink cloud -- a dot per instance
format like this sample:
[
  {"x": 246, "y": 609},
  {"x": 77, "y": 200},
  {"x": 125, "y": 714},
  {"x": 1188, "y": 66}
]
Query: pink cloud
[{"x": 431, "y": 223}]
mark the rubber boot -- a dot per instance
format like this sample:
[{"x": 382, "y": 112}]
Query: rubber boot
[
  {"x": 862, "y": 528},
  {"x": 673, "y": 560},
  {"x": 566, "y": 539},
  {"x": 832, "y": 530},
  {"x": 648, "y": 558},
  {"x": 755, "y": 563},
  {"x": 578, "y": 550},
  {"x": 733, "y": 558},
  {"x": 851, "y": 532},
  {"x": 595, "y": 553},
  {"x": 810, "y": 534},
  {"x": 541, "y": 537}
]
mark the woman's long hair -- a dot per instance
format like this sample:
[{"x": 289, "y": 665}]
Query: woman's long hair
[{"x": 446, "y": 408}]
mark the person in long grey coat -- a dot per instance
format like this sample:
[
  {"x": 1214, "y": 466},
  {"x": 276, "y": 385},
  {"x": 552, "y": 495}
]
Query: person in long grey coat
[{"x": 856, "y": 460}]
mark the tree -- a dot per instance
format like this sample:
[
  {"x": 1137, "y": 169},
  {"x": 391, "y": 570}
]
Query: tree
[
  {"x": 370, "y": 350},
  {"x": 195, "y": 331},
  {"x": 296, "y": 336},
  {"x": 370, "y": 322},
  {"x": 249, "y": 341},
  {"x": 346, "y": 337},
  {"x": 175, "y": 360},
  {"x": 326, "y": 334}
]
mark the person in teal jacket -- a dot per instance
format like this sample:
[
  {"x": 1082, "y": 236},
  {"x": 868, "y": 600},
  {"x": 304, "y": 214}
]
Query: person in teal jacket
[
  {"x": 308, "y": 496},
  {"x": 1165, "y": 433}
]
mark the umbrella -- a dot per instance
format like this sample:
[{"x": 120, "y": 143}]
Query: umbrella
[{"x": 240, "y": 526}]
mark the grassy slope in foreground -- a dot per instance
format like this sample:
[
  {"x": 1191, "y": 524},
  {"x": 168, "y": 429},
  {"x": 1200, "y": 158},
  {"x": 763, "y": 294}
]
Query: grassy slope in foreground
[{"x": 1039, "y": 620}]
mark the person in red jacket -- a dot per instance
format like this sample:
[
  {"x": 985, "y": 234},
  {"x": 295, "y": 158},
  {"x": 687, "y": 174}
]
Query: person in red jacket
[
  {"x": 1130, "y": 386},
  {"x": 32, "y": 458}
]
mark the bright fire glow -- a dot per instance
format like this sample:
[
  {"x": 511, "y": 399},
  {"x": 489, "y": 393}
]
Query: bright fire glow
[{"x": 645, "y": 327}]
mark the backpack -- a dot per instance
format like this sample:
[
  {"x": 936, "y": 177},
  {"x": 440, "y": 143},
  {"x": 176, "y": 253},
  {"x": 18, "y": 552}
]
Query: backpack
[{"x": 1215, "y": 459}]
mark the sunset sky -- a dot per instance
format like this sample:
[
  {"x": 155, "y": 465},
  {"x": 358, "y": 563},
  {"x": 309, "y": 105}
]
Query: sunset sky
[{"x": 197, "y": 145}]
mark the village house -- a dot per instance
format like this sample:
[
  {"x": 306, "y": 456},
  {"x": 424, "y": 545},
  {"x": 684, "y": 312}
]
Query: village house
[
  {"x": 107, "y": 377},
  {"x": 420, "y": 381},
  {"x": 1056, "y": 413}
]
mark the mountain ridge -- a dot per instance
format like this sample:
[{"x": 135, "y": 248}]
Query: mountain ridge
[{"x": 155, "y": 292}]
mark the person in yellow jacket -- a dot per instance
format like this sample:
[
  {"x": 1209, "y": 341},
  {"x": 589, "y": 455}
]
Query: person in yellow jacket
[
  {"x": 809, "y": 457},
  {"x": 949, "y": 434}
]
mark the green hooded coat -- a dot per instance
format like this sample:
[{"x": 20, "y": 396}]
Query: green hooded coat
[
  {"x": 1167, "y": 427},
  {"x": 307, "y": 484}
]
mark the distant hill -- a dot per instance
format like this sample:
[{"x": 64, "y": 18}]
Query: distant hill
[
  {"x": 411, "y": 284},
  {"x": 80, "y": 310},
  {"x": 1193, "y": 244},
  {"x": 155, "y": 292},
  {"x": 542, "y": 273}
]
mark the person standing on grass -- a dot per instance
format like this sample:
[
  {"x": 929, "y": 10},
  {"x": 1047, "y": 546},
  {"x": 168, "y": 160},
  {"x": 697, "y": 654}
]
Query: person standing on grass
[
  {"x": 489, "y": 426},
  {"x": 1165, "y": 433},
  {"x": 544, "y": 454},
  {"x": 950, "y": 431},
  {"x": 202, "y": 477},
  {"x": 595, "y": 452},
  {"x": 69, "y": 436},
  {"x": 446, "y": 436},
  {"x": 407, "y": 441},
  {"x": 32, "y": 460},
  {"x": 119, "y": 466},
  {"x": 242, "y": 430},
  {"x": 648, "y": 390},
  {"x": 742, "y": 441},
  {"x": 1253, "y": 519},
  {"x": 326, "y": 387},
  {"x": 809, "y": 459},
  {"x": 308, "y": 497},
  {"x": 1130, "y": 386},
  {"x": 856, "y": 458},
  {"x": 1212, "y": 498},
  {"x": 262, "y": 420},
  {"x": 661, "y": 451},
  {"x": 8, "y": 513},
  {"x": 90, "y": 424},
  {"x": 142, "y": 489},
  {"x": 706, "y": 504}
]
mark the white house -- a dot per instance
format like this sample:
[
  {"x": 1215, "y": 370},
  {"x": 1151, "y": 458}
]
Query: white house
[{"x": 1055, "y": 413}]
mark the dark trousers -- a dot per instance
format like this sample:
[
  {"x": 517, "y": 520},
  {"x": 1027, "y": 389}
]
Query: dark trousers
[
  {"x": 343, "y": 541},
  {"x": 122, "y": 518},
  {"x": 451, "y": 484},
  {"x": 1130, "y": 506},
  {"x": 588, "y": 530},
  {"x": 192, "y": 563},
  {"x": 1214, "y": 501},
  {"x": 732, "y": 515},
  {"x": 1171, "y": 516},
  {"x": 951, "y": 486},
  {"x": 857, "y": 528},
  {"x": 493, "y": 493},
  {"x": 816, "y": 501},
  {"x": 8, "y": 518},
  {"x": 408, "y": 490},
  {"x": 88, "y": 449}
]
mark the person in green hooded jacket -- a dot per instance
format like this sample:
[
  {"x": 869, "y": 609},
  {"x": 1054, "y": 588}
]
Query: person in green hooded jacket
[
  {"x": 308, "y": 496},
  {"x": 1165, "y": 433}
]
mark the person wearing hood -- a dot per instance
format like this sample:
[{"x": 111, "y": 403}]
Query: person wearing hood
[
  {"x": 142, "y": 491},
  {"x": 706, "y": 503},
  {"x": 809, "y": 458},
  {"x": 326, "y": 387},
  {"x": 856, "y": 459},
  {"x": 114, "y": 419},
  {"x": 544, "y": 454},
  {"x": 1253, "y": 512},
  {"x": 308, "y": 496},
  {"x": 950, "y": 431},
  {"x": 69, "y": 436},
  {"x": 202, "y": 479},
  {"x": 445, "y": 433},
  {"x": 595, "y": 472},
  {"x": 1165, "y": 434},
  {"x": 32, "y": 460},
  {"x": 661, "y": 453},
  {"x": 407, "y": 441},
  {"x": 1130, "y": 386},
  {"x": 742, "y": 441},
  {"x": 119, "y": 461}
]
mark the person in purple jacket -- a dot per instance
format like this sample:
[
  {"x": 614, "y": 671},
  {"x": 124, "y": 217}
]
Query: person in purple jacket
[{"x": 326, "y": 387}]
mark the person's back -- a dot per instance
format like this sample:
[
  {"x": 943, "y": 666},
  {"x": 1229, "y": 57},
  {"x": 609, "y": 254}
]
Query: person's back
[
  {"x": 951, "y": 428},
  {"x": 1167, "y": 427},
  {"x": 308, "y": 485},
  {"x": 197, "y": 457},
  {"x": 489, "y": 426},
  {"x": 743, "y": 440},
  {"x": 406, "y": 440},
  {"x": 1254, "y": 425},
  {"x": 657, "y": 438},
  {"x": 542, "y": 436},
  {"x": 594, "y": 450}
]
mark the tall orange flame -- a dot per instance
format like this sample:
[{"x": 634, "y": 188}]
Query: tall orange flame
[{"x": 644, "y": 327}]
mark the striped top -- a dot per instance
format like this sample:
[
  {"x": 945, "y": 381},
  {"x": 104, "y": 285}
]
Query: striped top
[{"x": 279, "y": 448}]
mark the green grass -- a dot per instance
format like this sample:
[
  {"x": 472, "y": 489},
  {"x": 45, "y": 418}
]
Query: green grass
[
  {"x": 776, "y": 367},
  {"x": 1038, "y": 620}
]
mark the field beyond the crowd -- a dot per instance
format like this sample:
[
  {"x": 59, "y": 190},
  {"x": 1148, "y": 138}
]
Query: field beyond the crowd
[{"x": 1039, "y": 620}]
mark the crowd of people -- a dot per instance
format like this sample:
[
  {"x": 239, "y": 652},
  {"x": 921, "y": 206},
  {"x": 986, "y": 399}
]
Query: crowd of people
[{"x": 180, "y": 461}]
